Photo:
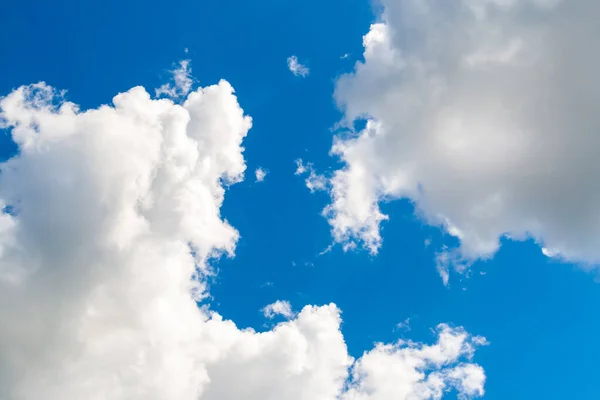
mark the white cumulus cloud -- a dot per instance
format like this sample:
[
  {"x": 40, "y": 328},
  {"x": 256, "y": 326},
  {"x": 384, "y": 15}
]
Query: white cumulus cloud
[
  {"x": 115, "y": 213},
  {"x": 110, "y": 217},
  {"x": 409, "y": 371},
  {"x": 297, "y": 68},
  {"x": 484, "y": 114}
]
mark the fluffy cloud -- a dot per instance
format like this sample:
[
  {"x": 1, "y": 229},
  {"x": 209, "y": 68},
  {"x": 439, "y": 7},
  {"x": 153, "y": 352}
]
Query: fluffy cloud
[
  {"x": 114, "y": 214},
  {"x": 110, "y": 217},
  {"x": 408, "y": 371},
  {"x": 280, "y": 307},
  {"x": 260, "y": 174},
  {"x": 297, "y": 68},
  {"x": 483, "y": 113}
]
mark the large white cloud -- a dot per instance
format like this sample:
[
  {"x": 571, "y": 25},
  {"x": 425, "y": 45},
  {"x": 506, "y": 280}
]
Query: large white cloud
[
  {"x": 109, "y": 220},
  {"x": 95, "y": 261},
  {"x": 484, "y": 114}
]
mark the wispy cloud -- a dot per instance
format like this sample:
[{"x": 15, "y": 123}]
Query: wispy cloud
[
  {"x": 182, "y": 82},
  {"x": 296, "y": 67},
  {"x": 314, "y": 182}
]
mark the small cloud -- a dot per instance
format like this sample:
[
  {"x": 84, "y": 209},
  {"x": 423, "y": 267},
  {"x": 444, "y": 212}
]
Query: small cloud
[
  {"x": 451, "y": 259},
  {"x": 300, "y": 167},
  {"x": 280, "y": 307},
  {"x": 260, "y": 174},
  {"x": 297, "y": 68},
  {"x": 480, "y": 341},
  {"x": 444, "y": 274},
  {"x": 345, "y": 56},
  {"x": 550, "y": 253},
  {"x": 327, "y": 250},
  {"x": 182, "y": 82},
  {"x": 404, "y": 325},
  {"x": 314, "y": 182},
  {"x": 186, "y": 50}
]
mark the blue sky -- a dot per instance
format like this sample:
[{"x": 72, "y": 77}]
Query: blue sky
[{"x": 537, "y": 313}]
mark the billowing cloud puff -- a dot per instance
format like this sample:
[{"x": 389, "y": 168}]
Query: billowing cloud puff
[
  {"x": 114, "y": 213},
  {"x": 110, "y": 217},
  {"x": 484, "y": 114},
  {"x": 399, "y": 371}
]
